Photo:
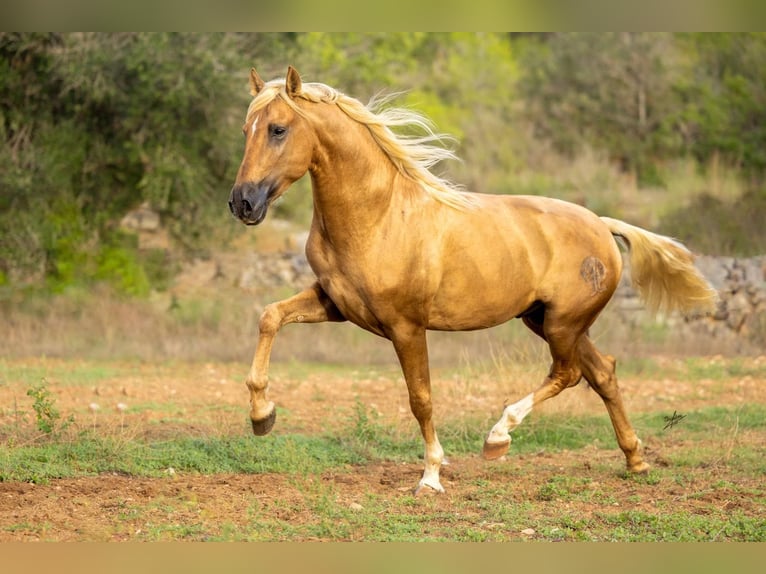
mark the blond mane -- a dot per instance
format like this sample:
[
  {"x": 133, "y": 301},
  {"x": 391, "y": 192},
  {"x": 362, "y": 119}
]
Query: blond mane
[{"x": 413, "y": 155}]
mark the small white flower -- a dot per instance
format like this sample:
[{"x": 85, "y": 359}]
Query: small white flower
[
  {"x": 93, "y": 407},
  {"x": 122, "y": 407}
]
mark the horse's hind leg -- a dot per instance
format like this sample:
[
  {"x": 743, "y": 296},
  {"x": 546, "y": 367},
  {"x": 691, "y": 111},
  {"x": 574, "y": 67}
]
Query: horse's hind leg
[
  {"x": 311, "y": 305},
  {"x": 599, "y": 371},
  {"x": 565, "y": 372}
]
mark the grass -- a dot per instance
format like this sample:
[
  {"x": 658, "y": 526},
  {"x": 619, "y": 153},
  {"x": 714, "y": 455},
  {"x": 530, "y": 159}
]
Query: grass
[
  {"x": 563, "y": 481},
  {"x": 365, "y": 441},
  {"x": 73, "y": 373},
  {"x": 634, "y": 526},
  {"x": 90, "y": 455}
]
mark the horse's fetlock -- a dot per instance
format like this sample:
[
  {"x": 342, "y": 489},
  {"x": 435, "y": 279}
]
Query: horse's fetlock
[{"x": 257, "y": 384}]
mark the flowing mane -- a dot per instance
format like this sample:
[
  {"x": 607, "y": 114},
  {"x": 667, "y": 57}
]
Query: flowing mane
[{"x": 413, "y": 155}]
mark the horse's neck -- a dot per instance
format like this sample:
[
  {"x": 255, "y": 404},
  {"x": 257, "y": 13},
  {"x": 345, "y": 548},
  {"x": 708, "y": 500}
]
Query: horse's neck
[{"x": 355, "y": 186}]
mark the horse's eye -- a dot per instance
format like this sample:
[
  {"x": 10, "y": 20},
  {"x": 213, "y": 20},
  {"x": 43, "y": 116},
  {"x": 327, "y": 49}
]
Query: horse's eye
[{"x": 277, "y": 132}]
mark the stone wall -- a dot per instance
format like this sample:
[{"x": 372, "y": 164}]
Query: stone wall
[{"x": 740, "y": 320}]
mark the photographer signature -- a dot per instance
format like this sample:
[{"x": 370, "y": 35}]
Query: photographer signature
[{"x": 672, "y": 420}]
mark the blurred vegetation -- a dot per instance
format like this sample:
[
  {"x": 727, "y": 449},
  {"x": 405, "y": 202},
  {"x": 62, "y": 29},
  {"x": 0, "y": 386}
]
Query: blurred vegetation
[{"x": 96, "y": 124}]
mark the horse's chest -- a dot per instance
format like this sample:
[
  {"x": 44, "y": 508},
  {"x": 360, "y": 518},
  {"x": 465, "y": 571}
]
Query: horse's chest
[
  {"x": 353, "y": 302},
  {"x": 347, "y": 290}
]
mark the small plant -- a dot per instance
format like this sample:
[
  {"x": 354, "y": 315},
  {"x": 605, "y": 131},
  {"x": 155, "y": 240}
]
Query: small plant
[
  {"x": 44, "y": 405},
  {"x": 555, "y": 488},
  {"x": 365, "y": 429}
]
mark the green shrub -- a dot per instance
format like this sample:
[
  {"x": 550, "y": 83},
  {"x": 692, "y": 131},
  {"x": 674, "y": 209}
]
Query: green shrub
[
  {"x": 119, "y": 267},
  {"x": 47, "y": 415}
]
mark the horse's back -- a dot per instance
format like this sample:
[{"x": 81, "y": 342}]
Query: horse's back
[{"x": 510, "y": 252}]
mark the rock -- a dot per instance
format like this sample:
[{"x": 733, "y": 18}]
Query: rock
[
  {"x": 738, "y": 310},
  {"x": 143, "y": 218}
]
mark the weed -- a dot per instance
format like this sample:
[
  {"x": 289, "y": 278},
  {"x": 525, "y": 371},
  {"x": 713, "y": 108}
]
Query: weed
[
  {"x": 371, "y": 439},
  {"x": 48, "y": 416},
  {"x": 553, "y": 489},
  {"x": 365, "y": 429}
]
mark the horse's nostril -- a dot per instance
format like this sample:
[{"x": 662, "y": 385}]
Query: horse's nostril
[
  {"x": 247, "y": 209},
  {"x": 231, "y": 208}
]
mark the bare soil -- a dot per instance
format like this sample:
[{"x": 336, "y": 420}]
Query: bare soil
[{"x": 154, "y": 401}]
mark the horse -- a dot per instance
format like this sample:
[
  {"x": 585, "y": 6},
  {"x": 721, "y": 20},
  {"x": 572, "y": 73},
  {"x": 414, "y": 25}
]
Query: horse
[{"x": 398, "y": 250}]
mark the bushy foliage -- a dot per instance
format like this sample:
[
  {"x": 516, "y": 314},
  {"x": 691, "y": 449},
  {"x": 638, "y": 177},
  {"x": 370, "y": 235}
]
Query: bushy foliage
[
  {"x": 724, "y": 99},
  {"x": 611, "y": 91},
  {"x": 647, "y": 97},
  {"x": 95, "y": 124},
  {"x": 711, "y": 225}
]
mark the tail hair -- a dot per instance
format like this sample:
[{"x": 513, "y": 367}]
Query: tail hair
[{"x": 663, "y": 271}]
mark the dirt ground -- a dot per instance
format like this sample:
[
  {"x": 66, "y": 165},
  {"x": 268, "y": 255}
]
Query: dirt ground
[{"x": 210, "y": 398}]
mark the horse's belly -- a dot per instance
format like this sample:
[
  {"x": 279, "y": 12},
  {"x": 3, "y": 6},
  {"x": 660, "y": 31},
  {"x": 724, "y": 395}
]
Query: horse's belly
[{"x": 478, "y": 300}]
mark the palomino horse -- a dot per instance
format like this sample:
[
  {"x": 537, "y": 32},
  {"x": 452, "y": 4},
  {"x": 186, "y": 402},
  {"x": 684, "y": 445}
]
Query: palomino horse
[{"x": 397, "y": 251}]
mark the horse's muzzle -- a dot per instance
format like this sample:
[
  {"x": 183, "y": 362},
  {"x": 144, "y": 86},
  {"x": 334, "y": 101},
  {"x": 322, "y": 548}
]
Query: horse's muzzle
[{"x": 250, "y": 201}]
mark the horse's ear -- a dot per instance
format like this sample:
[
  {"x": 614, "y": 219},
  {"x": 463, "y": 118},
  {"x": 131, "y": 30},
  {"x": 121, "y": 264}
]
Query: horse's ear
[
  {"x": 293, "y": 82},
  {"x": 256, "y": 84}
]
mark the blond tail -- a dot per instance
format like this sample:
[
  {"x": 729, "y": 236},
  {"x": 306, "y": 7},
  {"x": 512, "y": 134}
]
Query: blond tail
[{"x": 663, "y": 271}]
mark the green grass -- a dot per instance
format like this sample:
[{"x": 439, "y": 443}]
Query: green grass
[
  {"x": 708, "y": 420},
  {"x": 634, "y": 526},
  {"x": 73, "y": 374},
  {"x": 690, "y": 369},
  {"x": 708, "y": 467},
  {"x": 92, "y": 455},
  {"x": 365, "y": 440}
]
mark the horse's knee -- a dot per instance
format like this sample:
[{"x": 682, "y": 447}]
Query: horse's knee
[{"x": 420, "y": 404}]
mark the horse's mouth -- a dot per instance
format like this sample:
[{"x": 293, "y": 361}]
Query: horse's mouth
[
  {"x": 253, "y": 215},
  {"x": 250, "y": 202}
]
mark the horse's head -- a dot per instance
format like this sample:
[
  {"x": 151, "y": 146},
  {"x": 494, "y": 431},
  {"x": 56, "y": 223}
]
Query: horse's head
[{"x": 278, "y": 147}]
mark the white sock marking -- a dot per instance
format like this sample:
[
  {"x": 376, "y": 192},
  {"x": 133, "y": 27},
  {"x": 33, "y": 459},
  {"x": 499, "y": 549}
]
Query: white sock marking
[
  {"x": 511, "y": 418},
  {"x": 520, "y": 409}
]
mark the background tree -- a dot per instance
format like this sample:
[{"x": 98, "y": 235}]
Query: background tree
[
  {"x": 93, "y": 125},
  {"x": 723, "y": 99},
  {"x": 610, "y": 91},
  {"x": 96, "y": 124}
]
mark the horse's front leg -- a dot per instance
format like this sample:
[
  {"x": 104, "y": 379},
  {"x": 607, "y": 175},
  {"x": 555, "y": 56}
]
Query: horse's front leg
[
  {"x": 311, "y": 305},
  {"x": 412, "y": 350}
]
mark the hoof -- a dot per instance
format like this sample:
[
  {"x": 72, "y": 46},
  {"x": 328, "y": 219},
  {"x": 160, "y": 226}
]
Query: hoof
[
  {"x": 424, "y": 489},
  {"x": 263, "y": 426},
  {"x": 640, "y": 468},
  {"x": 495, "y": 450}
]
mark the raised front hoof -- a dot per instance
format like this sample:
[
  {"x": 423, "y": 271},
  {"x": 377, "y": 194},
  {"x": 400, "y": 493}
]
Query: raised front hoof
[
  {"x": 640, "y": 468},
  {"x": 495, "y": 450},
  {"x": 263, "y": 426}
]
